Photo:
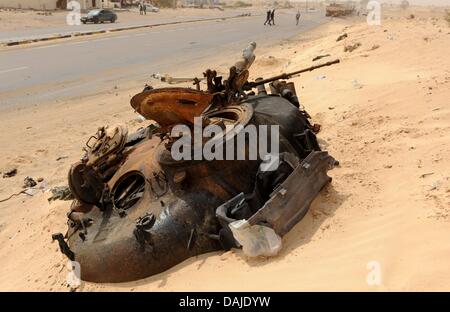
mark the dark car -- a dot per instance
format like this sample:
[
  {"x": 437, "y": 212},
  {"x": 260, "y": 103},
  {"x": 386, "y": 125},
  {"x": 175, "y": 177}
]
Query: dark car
[{"x": 99, "y": 16}]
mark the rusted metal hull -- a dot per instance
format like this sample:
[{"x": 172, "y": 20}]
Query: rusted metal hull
[
  {"x": 139, "y": 210},
  {"x": 181, "y": 197},
  {"x": 171, "y": 106}
]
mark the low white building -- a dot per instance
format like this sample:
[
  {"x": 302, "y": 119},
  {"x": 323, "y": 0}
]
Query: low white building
[{"x": 55, "y": 4}]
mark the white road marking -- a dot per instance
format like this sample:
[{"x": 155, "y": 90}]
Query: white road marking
[
  {"x": 46, "y": 46},
  {"x": 104, "y": 39},
  {"x": 119, "y": 37},
  {"x": 13, "y": 69},
  {"x": 229, "y": 30},
  {"x": 77, "y": 43}
]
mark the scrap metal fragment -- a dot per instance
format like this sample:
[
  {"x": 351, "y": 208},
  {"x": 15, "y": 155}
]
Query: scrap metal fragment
[
  {"x": 290, "y": 201},
  {"x": 60, "y": 193},
  {"x": 10, "y": 173},
  {"x": 63, "y": 246}
]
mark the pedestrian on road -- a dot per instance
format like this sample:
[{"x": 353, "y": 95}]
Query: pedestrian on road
[
  {"x": 272, "y": 17},
  {"x": 145, "y": 9},
  {"x": 268, "y": 18},
  {"x": 297, "y": 16},
  {"x": 141, "y": 10}
]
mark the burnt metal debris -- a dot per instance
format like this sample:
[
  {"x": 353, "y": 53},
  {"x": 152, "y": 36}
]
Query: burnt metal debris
[{"x": 138, "y": 211}]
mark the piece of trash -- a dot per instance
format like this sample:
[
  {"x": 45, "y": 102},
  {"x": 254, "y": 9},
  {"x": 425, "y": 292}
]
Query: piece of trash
[
  {"x": 29, "y": 182},
  {"x": 342, "y": 37},
  {"x": 320, "y": 57},
  {"x": 435, "y": 185},
  {"x": 30, "y": 188},
  {"x": 10, "y": 173},
  {"x": 40, "y": 179},
  {"x": 426, "y": 174},
  {"x": 171, "y": 80},
  {"x": 60, "y": 193},
  {"x": 256, "y": 240},
  {"x": 330, "y": 107},
  {"x": 321, "y": 77},
  {"x": 13, "y": 195},
  {"x": 61, "y": 158},
  {"x": 374, "y": 47},
  {"x": 30, "y": 191},
  {"x": 356, "y": 84},
  {"x": 140, "y": 118},
  {"x": 352, "y": 47},
  {"x": 43, "y": 186}
]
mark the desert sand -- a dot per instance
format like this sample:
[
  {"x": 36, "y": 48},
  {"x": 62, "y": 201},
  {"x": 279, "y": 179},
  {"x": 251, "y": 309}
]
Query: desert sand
[{"x": 385, "y": 115}]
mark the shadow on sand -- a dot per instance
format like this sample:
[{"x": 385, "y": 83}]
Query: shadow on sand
[{"x": 322, "y": 208}]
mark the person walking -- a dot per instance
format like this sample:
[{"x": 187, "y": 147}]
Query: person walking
[
  {"x": 140, "y": 8},
  {"x": 297, "y": 16},
  {"x": 268, "y": 17},
  {"x": 272, "y": 17},
  {"x": 144, "y": 8}
]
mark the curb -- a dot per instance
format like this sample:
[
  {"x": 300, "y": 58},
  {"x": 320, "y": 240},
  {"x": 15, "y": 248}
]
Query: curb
[{"x": 95, "y": 32}]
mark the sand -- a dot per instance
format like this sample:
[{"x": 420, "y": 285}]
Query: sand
[{"x": 385, "y": 115}]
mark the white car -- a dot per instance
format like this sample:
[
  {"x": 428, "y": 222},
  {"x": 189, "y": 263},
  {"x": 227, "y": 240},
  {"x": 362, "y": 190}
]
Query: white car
[{"x": 151, "y": 8}]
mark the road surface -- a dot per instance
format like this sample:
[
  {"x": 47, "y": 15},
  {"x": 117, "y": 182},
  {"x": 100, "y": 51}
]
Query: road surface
[
  {"x": 60, "y": 70},
  {"x": 150, "y": 19}
]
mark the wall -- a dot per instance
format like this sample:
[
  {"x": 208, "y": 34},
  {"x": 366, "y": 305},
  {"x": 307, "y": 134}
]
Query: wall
[
  {"x": 50, "y": 4},
  {"x": 29, "y": 4}
]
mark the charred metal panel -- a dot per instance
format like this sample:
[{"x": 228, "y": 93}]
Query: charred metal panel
[
  {"x": 290, "y": 201},
  {"x": 138, "y": 211}
]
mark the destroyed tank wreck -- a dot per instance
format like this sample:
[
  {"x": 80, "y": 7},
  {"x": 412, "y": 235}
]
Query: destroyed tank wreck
[{"x": 140, "y": 210}]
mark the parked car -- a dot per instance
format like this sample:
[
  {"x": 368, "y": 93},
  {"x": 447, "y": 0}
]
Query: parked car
[
  {"x": 99, "y": 16},
  {"x": 151, "y": 8}
]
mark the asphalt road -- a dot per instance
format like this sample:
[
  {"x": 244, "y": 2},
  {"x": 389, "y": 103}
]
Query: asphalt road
[
  {"x": 60, "y": 70},
  {"x": 153, "y": 18}
]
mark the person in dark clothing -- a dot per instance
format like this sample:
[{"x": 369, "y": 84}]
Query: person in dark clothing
[
  {"x": 272, "y": 17},
  {"x": 144, "y": 9},
  {"x": 140, "y": 9},
  {"x": 268, "y": 18},
  {"x": 297, "y": 17}
]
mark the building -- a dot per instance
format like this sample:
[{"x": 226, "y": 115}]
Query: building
[{"x": 56, "y": 4}]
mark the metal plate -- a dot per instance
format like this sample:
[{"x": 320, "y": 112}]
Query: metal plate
[{"x": 171, "y": 106}]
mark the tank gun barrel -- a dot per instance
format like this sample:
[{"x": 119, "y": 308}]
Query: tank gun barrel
[{"x": 251, "y": 85}]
